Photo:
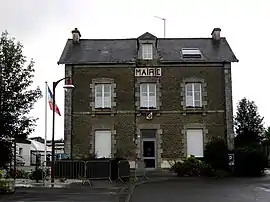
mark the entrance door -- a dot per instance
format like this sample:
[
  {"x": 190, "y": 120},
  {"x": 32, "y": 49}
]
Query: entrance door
[{"x": 149, "y": 153}]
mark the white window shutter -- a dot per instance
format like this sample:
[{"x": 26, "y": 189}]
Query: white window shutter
[
  {"x": 103, "y": 144},
  {"x": 195, "y": 142}
]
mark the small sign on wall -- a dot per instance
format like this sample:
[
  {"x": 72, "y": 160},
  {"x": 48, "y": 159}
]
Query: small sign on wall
[
  {"x": 231, "y": 159},
  {"x": 147, "y": 71}
]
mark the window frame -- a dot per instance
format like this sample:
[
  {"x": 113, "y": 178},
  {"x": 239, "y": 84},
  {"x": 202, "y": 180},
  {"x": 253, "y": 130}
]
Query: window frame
[
  {"x": 191, "y": 53},
  {"x": 193, "y": 95},
  {"x": 148, "y": 95},
  {"x": 103, "y": 95},
  {"x": 147, "y": 51}
]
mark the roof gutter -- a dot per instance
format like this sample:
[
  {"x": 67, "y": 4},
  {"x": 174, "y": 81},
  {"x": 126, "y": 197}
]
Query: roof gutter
[{"x": 94, "y": 63}]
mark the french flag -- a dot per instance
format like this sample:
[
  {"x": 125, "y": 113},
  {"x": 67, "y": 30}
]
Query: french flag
[{"x": 50, "y": 99}]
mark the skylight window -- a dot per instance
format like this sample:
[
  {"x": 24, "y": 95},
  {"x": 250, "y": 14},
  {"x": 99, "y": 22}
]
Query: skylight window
[{"x": 191, "y": 53}]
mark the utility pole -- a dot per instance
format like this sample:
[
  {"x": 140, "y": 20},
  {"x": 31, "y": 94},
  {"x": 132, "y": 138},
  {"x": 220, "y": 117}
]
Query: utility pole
[{"x": 164, "y": 25}]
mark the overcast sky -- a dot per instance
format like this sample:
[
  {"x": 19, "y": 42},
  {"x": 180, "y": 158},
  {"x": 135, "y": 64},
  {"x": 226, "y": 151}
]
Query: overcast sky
[{"x": 44, "y": 26}]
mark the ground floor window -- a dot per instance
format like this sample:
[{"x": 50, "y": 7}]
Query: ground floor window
[
  {"x": 103, "y": 143},
  {"x": 195, "y": 142}
]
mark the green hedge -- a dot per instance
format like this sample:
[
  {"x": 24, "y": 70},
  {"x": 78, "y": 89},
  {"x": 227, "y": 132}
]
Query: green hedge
[
  {"x": 249, "y": 161},
  {"x": 7, "y": 186}
]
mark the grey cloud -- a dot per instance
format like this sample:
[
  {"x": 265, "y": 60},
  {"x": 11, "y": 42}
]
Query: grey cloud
[{"x": 27, "y": 17}]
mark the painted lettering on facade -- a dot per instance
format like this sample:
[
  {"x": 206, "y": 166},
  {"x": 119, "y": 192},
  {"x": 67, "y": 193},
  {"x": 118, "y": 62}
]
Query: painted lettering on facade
[{"x": 147, "y": 71}]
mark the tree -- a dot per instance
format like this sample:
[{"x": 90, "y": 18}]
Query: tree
[
  {"x": 248, "y": 124},
  {"x": 266, "y": 135},
  {"x": 17, "y": 98}
]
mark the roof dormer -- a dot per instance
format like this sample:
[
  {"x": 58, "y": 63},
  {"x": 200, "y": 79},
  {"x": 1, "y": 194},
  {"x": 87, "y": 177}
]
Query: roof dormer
[{"x": 147, "y": 48}]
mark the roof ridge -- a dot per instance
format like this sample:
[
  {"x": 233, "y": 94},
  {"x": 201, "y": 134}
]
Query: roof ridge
[
  {"x": 126, "y": 39},
  {"x": 104, "y": 39}
]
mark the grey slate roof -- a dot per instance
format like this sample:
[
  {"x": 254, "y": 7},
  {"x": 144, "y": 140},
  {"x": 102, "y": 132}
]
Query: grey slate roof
[{"x": 125, "y": 50}]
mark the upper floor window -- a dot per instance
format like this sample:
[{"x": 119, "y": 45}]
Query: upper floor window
[
  {"x": 147, "y": 51},
  {"x": 148, "y": 97},
  {"x": 103, "y": 96},
  {"x": 193, "y": 94}
]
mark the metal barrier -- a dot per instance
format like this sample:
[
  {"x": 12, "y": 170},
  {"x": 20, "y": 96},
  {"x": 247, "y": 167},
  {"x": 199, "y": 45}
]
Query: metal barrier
[
  {"x": 69, "y": 169},
  {"x": 140, "y": 170},
  {"x": 92, "y": 170},
  {"x": 98, "y": 169},
  {"x": 123, "y": 170}
]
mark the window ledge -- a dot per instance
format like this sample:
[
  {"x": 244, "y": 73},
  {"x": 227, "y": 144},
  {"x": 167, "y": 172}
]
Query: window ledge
[
  {"x": 198, "y": 110},
  {"x": 194, "y": 108},
  {"x": 148, "y": 109}
]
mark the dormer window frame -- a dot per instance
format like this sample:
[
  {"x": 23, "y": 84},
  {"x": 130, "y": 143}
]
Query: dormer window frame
[{"x": 147, "y": 51}]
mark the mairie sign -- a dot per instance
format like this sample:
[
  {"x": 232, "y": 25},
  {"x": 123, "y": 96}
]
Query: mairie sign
[{"x": 147, "y": 71}]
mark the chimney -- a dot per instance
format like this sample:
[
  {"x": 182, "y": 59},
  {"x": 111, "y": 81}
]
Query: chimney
[
  {"x": 216, "y": 34},
  {"x": 76, "y": 35}
]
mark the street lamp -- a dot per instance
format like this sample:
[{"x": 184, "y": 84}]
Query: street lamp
[{"x": 66, "y": 86}]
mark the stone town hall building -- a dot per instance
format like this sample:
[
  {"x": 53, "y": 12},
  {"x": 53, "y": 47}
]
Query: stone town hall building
[{"x": 152, "y": 98}]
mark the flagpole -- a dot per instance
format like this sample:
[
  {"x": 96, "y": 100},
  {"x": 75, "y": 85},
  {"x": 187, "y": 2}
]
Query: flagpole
[{"x": 45, "y": 130}]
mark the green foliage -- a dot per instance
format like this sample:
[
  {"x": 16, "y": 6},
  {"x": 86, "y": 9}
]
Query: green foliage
[
  {"x": 7, "y": 186},
  {"x": 37, "y": 174},
  {"x": 19, "y": 174},
  {"x": 248, "y": 124},
  {"x": 6, "y": 152},
  {"x": 17, "y": 99},
  {"x": 191, "y": 167},
  {"x": 266, "y": 136},
  {"x": 216, "y": 154},
  {"x": 249, "y": 161}
]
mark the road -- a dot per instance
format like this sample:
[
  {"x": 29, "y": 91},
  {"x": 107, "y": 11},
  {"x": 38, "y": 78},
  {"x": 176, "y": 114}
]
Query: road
[
  {"x": 198, "y": 190},
  {"x": 62, "y": 194}
]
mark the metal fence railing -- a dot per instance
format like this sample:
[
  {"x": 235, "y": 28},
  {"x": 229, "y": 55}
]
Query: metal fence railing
[
  {"x": 140, "y": 170},
  {"x": 92, "y": 170},
  {"x": 123, "y": 170},
  {"x": 86, "y": 171}
]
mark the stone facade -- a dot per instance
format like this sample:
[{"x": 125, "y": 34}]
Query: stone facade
[
  {"x": 190, "y": 90},
  {"x": 171, "y": 119}
]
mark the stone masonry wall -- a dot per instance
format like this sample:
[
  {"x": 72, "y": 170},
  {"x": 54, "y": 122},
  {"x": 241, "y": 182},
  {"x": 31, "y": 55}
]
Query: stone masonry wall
[{"x": 171, "y": 120}]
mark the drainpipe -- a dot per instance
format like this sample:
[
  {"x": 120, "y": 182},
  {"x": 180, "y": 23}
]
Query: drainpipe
[{"x": 135, "y": 108}]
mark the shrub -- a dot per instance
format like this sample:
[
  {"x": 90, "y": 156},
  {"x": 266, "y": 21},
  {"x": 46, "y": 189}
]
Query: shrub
[
  {"x": 249, "y": 161},
  {"x": 19, "y": 174},
  {"x": 191, "y": 167},
  {"x": 216, "y": 154},
  {"x": 37, "y": 174},
  {"x": 7, "y": 186}
]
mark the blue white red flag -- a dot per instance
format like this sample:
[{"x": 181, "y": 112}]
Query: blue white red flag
[{"x": 50, "y": 100}]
